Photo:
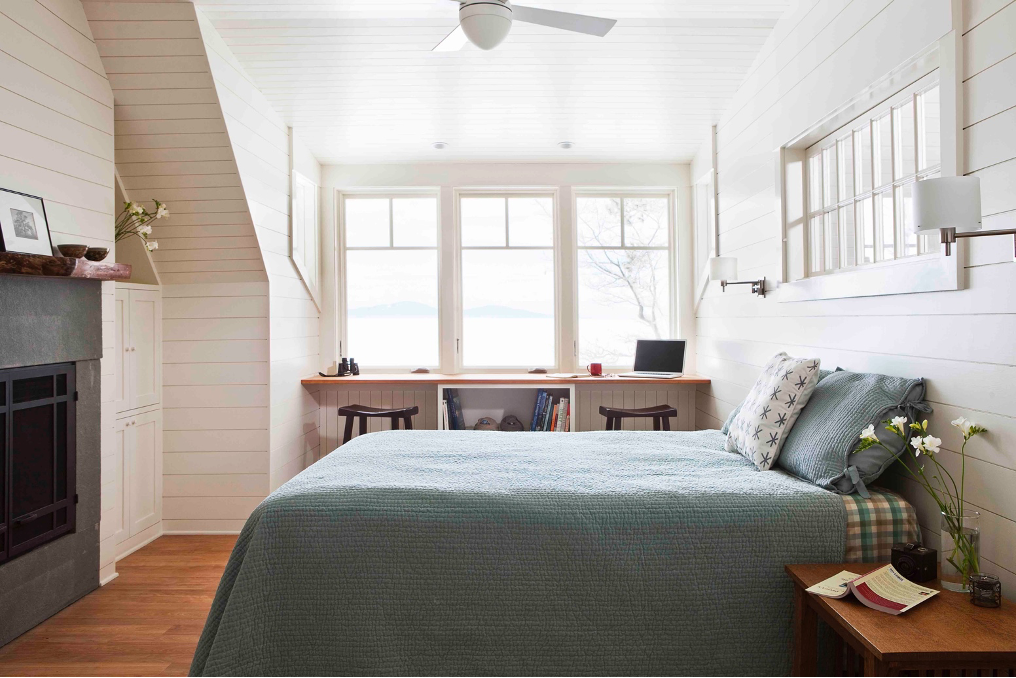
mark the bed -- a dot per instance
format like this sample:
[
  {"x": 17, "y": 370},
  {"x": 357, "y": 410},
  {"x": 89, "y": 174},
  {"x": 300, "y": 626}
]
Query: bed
[{"x": 486, "y": 553}]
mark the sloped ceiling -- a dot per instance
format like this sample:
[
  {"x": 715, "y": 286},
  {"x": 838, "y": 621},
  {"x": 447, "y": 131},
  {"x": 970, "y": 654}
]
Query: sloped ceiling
[
  {"x": 172, "y": 143},
  {"x": 358, "y": 80}
]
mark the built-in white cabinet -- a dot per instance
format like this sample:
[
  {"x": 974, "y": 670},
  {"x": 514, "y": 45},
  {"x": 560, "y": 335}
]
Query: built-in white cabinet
[
  {"x": 138, "y": 348},
  {"x": 138, "y": 469},
  {"x": 137, "y": 464}
]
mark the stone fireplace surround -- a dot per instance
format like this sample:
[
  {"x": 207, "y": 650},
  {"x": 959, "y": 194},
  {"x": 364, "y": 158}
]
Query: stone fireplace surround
[{"x": 43, "y": 321}]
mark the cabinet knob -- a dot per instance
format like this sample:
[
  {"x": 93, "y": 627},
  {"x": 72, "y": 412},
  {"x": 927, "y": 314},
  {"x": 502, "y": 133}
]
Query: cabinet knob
[{"x": 133, "y": 349}]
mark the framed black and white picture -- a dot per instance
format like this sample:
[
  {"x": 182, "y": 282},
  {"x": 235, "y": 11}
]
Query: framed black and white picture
[{"x": 23, "y": 225}]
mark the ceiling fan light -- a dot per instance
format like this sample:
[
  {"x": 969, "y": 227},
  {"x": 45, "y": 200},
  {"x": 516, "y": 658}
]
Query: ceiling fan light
[{"x": 486, "y": 24}]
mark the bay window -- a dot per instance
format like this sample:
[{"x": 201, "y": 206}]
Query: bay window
[
  {"x": 624, "y": 275},
  {"x": 391, "y": 280},
  {"x": 508, "y": 287}
]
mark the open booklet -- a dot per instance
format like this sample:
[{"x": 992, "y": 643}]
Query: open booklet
[{"x": 883, "y": 589}]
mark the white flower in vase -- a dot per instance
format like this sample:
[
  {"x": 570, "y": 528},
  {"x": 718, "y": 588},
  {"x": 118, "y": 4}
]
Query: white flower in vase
[
  {"x": 145, "y": 230},
  {"x": 931, "y": 444},
  {"x": 900, "y": 424},
  {"x": 917, "y": 442},
  {"x": 135, "y": 208},
  {"x": 163, "y": 211},
  {"x": 151, "y": 245}
]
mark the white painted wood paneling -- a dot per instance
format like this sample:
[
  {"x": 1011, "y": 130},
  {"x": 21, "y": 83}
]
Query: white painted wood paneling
[
  {"x": 959, "y": 341},
  {"x": 361, "y": 80},
  {"x": 56, "y": 121},
  {"x": 260, "y": 141}
]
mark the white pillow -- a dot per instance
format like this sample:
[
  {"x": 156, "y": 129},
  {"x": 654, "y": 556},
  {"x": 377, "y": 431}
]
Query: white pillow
[{"x": 771, "y": 408}]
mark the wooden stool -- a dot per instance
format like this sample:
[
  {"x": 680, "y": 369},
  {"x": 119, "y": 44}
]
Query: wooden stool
[
  {"x": 661, "y": 414},
  {"x": 363, "y": 412}
]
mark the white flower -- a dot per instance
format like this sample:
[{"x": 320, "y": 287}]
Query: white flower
[
  {"x": 963, "y": 425},
  {"x": 917, "y": 442},
  {"x": 900, "y": 424},
  {"x": 931, "y": 444},
  {"x": 163, "y": 211},
  {"x": 135, "y": 208},
  {"x": 145, "y": 230},
  {"x": 869, "y": 433},
  {"x": 152, "y": 245}
]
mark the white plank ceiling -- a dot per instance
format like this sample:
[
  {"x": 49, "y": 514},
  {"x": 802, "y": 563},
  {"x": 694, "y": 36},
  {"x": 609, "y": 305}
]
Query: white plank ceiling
[{"x": 358, "y": 80}]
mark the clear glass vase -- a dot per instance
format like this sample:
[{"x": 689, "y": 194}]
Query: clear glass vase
[{"x": 960, "y": 555}]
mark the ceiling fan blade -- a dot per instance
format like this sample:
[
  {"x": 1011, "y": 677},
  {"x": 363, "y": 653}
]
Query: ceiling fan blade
[
  {"x": 578, "y": 23},
  {"x": 455, "y": 41}
]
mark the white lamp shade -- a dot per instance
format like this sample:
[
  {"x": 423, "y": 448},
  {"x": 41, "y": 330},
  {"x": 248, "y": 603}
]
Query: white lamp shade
[
  {"x": 948, "y": 202},
  {"x": 486, "y": 25},
  {"x": 723, "y": 268}
]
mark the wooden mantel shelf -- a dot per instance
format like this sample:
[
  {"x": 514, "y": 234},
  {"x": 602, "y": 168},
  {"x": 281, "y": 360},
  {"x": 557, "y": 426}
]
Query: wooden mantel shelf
[
  {"x": 12, "y": 263},
  {"x": 534, "y": 380}
]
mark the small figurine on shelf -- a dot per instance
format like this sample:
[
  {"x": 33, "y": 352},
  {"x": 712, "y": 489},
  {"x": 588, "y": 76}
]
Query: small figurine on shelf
[{"x": 354, "y": 369}]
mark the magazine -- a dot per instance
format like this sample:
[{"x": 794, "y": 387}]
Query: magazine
[{"x": 884, "y": 589}]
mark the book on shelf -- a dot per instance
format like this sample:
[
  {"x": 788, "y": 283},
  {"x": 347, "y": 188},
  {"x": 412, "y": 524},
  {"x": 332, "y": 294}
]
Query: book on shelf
[
  {"x": 562, "y": 416},
  {"x": 884, "y": 589},
  {"x": 456, "y": 420},
  {"x": 537, "y": 409},
  {"x": 553, "y": 418},
  {"x": 444, "y": 415}
]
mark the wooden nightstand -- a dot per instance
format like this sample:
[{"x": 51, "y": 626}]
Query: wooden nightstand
[{"x": 944, "y": 633}]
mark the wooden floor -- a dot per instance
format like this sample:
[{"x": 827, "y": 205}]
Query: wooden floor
[{"x": 146, "y": 622}]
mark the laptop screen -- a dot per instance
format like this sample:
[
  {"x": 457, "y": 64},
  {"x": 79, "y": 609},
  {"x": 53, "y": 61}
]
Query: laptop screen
[{"x": 659, "y": 356}]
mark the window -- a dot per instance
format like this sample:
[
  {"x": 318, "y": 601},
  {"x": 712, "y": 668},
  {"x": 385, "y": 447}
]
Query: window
[
  {"x": 624, "y": 275},
  {"x": 860, "y": 182},
  {"x": 391, "y": 280},
  {"x": 306, "y": 235},
  {"x": 507, "y": 281}
]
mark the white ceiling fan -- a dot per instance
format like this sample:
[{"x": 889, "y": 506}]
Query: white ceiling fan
[{"x": 486, "y": 23}]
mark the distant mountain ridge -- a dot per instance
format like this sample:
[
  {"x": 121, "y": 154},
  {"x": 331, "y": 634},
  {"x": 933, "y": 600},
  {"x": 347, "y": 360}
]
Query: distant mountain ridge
[{"x": 414, "y": 309}]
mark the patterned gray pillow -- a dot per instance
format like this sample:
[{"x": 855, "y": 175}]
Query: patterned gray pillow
[
  {"x": 822, "y": 374},
  {"x": 768, "y": 413},
  {"x": 819, "y": 448}
]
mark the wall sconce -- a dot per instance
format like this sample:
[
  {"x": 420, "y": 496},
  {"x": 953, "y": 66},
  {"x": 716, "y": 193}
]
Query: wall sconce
[
  {"x": 952, "y": 206},
  {"x": 724, "y": 269}
]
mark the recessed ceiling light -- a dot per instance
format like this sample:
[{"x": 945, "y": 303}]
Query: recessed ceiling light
[
  {"x": 566, "y": 145},
  {"x": 440, "y": 145}
]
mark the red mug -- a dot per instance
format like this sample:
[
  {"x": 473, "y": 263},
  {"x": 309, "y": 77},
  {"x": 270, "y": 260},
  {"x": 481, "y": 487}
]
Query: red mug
[{"x": 595, "y": 369}]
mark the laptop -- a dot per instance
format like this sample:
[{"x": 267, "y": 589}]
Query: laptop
[{"x": 656, "y": 359}]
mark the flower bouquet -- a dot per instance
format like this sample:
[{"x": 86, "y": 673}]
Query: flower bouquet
[
  {"x": 135, "y": 219},
  {"x": 960, "y": 552}
]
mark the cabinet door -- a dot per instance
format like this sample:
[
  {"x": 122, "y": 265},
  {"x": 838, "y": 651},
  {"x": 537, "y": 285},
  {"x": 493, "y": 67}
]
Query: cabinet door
[
  {"x": 145, "y": 471},
  {"x": 121, "y": 352},
  {"x": 121, "y": 481},
  {"x": 145, "y": 348}
]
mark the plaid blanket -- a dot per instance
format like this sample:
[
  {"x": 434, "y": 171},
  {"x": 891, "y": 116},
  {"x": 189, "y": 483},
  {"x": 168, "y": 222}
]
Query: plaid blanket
[{"x": 875, "y": 524}]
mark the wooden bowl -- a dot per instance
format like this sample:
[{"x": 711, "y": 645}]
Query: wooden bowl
[
  {"x": 97, "y": 253},
  {"x": 73, "y": 251}
]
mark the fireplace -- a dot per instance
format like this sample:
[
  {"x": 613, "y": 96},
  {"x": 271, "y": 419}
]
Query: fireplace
[{"x": 37, "y": 449}]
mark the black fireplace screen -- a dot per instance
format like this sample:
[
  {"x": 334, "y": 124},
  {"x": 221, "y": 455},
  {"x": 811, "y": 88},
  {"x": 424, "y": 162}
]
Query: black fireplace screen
[{"x": 37, "y": 448}]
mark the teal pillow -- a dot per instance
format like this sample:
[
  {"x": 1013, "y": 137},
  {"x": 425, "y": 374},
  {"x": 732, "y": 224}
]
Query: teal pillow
[
  {"x": 822, "y": 374},
  {"x": 820, "y": 446}
]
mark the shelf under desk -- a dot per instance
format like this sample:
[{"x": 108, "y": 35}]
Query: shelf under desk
[{"x": 423, "y": 390}]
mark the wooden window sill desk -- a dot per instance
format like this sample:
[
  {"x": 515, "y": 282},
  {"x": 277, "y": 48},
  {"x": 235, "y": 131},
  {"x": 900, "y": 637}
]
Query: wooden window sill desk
[
  {"x": 945, "y": 634},
  {"x": 497, "y": 395}
]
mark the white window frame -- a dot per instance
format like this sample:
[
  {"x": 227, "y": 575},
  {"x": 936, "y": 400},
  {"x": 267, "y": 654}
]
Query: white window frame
[
  {"x": 672, "y": 249},
  {"x": 342, "y": 301},
  {"x": 832, "y": 143},
  {"x": 500, "y": 192},
  {"x": 927, "y": 272},
  {"x": 308, "y": 263}
]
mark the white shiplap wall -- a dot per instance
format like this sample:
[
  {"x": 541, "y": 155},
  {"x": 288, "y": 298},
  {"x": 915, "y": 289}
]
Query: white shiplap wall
[
  {"x": 820, "y": 55},
  {"x": 56, "y": 123},
  {"x": 171, "y": 144},
  {"x": 194, "y": 132},
  {"x": 261, "y": 145}
]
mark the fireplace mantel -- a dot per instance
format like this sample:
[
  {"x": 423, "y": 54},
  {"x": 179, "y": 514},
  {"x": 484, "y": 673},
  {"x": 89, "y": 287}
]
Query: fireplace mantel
[{"x": 12, "y": 263}]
